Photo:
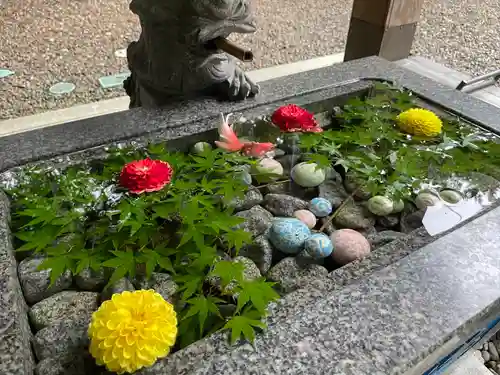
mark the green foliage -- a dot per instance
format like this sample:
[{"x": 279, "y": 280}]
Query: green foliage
[
  {"x": 80, "y": 218},
  {"x": 367, "y": 144}
]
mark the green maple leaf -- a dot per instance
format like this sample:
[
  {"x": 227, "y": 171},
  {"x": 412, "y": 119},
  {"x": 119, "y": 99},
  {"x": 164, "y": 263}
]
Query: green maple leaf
[
  {"x": 57, "y": 265},
  {"x": 228, "y": 271},
  {"x": 200, "y": 307},
  {"x": 258, "y": 292},
  {"x": 244, "y": 325},
  {"x": 190, "y": 284}
]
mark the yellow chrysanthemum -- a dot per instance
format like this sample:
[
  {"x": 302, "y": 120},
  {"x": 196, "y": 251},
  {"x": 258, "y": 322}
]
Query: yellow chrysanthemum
[
  {"x": 419, "y": 121},
  {"x": 132, "y": 330}
]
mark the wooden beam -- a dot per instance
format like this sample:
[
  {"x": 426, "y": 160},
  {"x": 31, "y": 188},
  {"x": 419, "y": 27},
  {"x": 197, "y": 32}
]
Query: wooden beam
[{"x": 382, "y": 27}]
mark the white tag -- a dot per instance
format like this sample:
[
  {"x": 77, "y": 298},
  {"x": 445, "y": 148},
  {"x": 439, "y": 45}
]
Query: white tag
[{"x": 439, "y": 219}]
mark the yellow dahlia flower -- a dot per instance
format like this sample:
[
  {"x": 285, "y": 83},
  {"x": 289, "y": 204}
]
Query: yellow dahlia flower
[
  {"x": 132, "y": 330},
  {"x": 419, "y": 121}
]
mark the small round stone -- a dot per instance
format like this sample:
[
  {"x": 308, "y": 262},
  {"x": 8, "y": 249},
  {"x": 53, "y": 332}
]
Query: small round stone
[
  {"x": 244, "y": 177},
  {"x": 320, "y": 207},
  {"x": 318, "y": 246},
  {"x": 307, "y": 217},
  {"x": 289, "y": 235},
  {"x": 201, "y": 147},
  {"x": 272, "y": 169},
  {"x": 349, "y": 245},
  {"x": 451, "y": 196},
  {"x": 426, "y": 199},
  {"x": 308, "y": 174},
  {"x": 380, "y": 205},
  {"x": 399, "y": 205}
]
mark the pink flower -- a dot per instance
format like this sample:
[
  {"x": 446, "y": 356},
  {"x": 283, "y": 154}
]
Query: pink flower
[
  {"x": 230, "y": 142},
  {"x": 292, "y": 118},
  {"x": 145, "y": 175}
]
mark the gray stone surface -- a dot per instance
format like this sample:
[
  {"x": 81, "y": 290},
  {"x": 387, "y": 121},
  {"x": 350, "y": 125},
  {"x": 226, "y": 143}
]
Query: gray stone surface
[
  {"x": 172, "y": 62},
  {"x": 291, "y": 275},
  {"x": 354, "y": 216},
  {"x": 161, "y": 283},
  {"x": 384, "y": 237},
  {"x": 63, "y": 338},
  {"x": 16, "y": 357},
  {"x": 67, "y": 305},
  {"x": 75, "y": 364},
  {"x": 260, "y": 251},
  {"x": 91, "y": 280},
  {"x": 257, "y": 220},
  {"x": 36, "y": 283},
  {"x": 444, "y": 289},
  {"x": 253, "y": 197},
  {"x": 120, "y": 286},
  {"x": 333, "y": 191},
  {"x": 283, "y": 205}
]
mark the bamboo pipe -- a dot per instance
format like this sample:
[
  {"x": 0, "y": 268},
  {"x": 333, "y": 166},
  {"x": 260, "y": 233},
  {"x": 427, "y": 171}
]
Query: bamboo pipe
[{"x": 242, "y": 54}]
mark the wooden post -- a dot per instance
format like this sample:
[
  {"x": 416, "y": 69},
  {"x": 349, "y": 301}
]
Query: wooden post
[{"x": 382, "y": 27}]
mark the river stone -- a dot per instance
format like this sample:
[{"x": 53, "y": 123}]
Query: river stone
[
  {"x": 253, "y": 197},
  {"x": 329, "y": 227},
  {"x": 257, "y": 220},
  {"x": 260, "y": 252},
  {"x": 307, "y": 217},
  {"x": 119, "y": 286},
  {"x": 411, "y": 221},
  {"x": 292, "y": 276},
  {"x": 67, "y": 305},
  {"x": 353, "y": 184},
  {"x": 383, "y": 238},
  {"x": 63, "y": 338},
  {"x": 333, "y": 191},
  {"x": 91, "y": 280},
  {"x": 161, "y": 283},
  {"x": 283, "y": 205},
  {"x": 486, "y": 355},
  {"x": 288, "y": 162},
  {"x": 349, "y": 245},
  {"x": 251, "y": 272},
  {"x": 493, "y": 352},
  {"x": 353, "y": 216},
  {"x": 288, "y": 235},
  {"x": 36, "y": 284},
  {"x": 288, "y": 188},
  {"x": 388, "y": 221}
]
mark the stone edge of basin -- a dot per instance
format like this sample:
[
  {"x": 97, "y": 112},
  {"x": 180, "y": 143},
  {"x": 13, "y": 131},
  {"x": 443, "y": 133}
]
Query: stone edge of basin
[{"x": 16, "y": 357}]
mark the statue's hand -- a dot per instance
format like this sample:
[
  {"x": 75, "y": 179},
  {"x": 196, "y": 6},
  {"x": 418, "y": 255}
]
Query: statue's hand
[{"x": 240, "y": 86}]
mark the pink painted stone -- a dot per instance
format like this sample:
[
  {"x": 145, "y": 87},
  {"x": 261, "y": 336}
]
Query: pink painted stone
[
  {"x": 307, "y": 217},
  {"x": 348, "y": 246}
]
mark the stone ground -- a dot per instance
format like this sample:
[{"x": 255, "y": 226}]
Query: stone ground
[{"x": 48, "y": 41}]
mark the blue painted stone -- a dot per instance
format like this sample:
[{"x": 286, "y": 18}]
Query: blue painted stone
[
  {"x": 320, "y": 207},
  {"x": 318, "y": 246},
  {"x": 288, "y": 235},
  {"x": 244, "y": 177}
]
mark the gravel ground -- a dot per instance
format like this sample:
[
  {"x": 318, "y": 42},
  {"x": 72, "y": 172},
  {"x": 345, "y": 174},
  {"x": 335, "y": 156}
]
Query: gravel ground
[{"x": 48, "y": 41}]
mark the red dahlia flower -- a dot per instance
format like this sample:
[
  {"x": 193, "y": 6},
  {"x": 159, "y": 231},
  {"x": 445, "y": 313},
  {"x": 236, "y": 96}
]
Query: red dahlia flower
[
  {"x": 145, "y": 175},
  {"x": 292, "y": 118}
]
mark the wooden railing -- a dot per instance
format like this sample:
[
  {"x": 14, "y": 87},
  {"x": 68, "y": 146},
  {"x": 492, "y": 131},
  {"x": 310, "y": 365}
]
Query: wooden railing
[{"x": 382, "y": 27}]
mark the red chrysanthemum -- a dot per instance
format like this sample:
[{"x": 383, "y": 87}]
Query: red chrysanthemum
[
  {"x": 292, "y": 118},
  {"x": 145, "y": 175}
]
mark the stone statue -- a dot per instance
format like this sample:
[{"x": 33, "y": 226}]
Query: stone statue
[{"x": 176, "y": 57}]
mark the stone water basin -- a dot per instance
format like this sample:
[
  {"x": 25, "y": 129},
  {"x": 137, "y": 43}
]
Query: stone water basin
[{"x": 363, "y": 239}]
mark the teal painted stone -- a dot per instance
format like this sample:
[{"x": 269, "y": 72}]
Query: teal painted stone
[
  {"x": 320, "y": 207},
  {"x": 116, "y": 80},
  {"x": 288, "y": 235},
  {"x": 62, "y": 88},
  {"x": 318, "y": 246},
  {"x": 5, "y": 73}
]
